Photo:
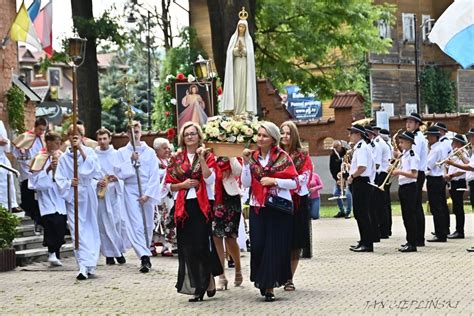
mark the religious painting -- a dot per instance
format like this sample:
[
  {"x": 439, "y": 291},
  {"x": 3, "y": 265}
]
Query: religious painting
[{"x": 194, "y": 102}]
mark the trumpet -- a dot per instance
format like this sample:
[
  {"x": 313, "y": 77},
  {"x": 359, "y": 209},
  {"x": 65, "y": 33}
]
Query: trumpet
[
  {"x": 346, "y": 160},
  {"x": 456, "y": 153}
]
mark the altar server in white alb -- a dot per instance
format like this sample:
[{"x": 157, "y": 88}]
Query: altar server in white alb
[
  {"x": 88, "y": 168},
  {"x": 5, "y": 148},
  {"x": 110, "y": 201},
  {"x": 134, "y": 203},
  {"x": 51, "y": 205}
]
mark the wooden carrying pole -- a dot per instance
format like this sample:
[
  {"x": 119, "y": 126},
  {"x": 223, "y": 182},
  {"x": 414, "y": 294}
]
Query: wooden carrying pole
[{"x": 75, "y": 166}]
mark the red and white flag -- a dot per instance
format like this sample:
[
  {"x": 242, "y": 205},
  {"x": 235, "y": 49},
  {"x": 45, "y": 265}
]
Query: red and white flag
[{"x": 43, "y": 24}]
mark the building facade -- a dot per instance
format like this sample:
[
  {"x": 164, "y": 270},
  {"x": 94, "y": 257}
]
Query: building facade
[{"x": 392, "y": 75}]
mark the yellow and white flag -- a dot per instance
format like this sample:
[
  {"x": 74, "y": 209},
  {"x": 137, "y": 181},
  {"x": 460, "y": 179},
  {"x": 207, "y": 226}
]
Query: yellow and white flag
[{"x": 22, "y": 29}]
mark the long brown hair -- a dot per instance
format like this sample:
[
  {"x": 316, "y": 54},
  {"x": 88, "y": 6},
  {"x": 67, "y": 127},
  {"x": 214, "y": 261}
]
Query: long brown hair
[{"x": 295, "y": 140}]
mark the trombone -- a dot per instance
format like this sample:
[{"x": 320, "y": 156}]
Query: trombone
[
  {"x": 395, "y": 164},
  {"x": 457, "y": 153}
]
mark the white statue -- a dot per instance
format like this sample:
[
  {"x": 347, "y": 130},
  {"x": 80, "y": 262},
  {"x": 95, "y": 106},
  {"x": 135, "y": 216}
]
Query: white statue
[{"x": 240, "y": 88}]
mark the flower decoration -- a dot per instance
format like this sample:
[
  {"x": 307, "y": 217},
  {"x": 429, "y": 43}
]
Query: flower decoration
[
  {"x": 170, "y": 133},
  {"x": 173, "y": 101},
  {"x": 219, "y": 91},
  {"x": 168, "y": 88},
  {"x": 191, "y": 78},
  {"x": 167, "y": 113},
  {"x": 237, "y": 129},
  {"x": 180, "y": 76}
]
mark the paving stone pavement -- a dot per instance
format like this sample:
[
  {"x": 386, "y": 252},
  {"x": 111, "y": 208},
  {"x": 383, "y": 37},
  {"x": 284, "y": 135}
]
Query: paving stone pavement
[{"x": 436, "y": 280}]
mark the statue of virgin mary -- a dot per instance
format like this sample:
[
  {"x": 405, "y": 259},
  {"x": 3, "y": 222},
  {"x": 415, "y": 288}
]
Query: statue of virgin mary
[{"x": 240, "y": 88}]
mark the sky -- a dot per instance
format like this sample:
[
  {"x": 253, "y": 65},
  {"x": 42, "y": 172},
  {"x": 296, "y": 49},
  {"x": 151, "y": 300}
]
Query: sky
[{"x": 62, "y": 21}]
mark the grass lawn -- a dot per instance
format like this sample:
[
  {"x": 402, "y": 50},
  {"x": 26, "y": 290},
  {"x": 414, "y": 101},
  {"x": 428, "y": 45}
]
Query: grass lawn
[{"x": 328, "y": 211}]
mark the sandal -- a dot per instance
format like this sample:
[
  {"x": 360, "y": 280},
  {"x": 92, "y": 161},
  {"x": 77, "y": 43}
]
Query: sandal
[
  {"x": 238, "y": 278},
  {"x": 289, "y": 286}
]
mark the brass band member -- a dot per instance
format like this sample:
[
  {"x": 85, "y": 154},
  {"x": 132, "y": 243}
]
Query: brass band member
[
  {"x": 359, "y": 178},
  {"x": 408, "y": 173},
  {"x": 457, "y": 179}
]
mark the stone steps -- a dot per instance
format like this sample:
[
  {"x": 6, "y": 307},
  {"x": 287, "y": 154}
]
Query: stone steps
[{"x": 29, "y": 245}]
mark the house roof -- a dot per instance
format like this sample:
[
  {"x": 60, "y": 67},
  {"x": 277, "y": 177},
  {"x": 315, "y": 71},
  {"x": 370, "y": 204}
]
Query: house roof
[
  {"x": 30, "y": 94},
  {"x": 347, "y": 99},
  {"x": 105, "y": 60}
]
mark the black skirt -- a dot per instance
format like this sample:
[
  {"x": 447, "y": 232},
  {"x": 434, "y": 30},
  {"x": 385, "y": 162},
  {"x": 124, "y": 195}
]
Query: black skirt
[
  {"x": 270, "y": 239},
  {"x": 197, "y": 254},
  {"x": 301, "y": 225}
]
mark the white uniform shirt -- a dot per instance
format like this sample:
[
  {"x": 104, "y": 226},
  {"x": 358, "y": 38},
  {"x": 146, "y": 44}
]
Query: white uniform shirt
[
  {"x": 409, "y": 161},
  {"x": 446, "y": 145},
  {"x": 384, "y": 152},
  {"x": 421, "y": 150},
  {"x": 436, "y": 154},
  {"x": 453, "y": 169},
  {"x": 362, "y": 157},
  {"x": 283, "y": 185},
  {"x": 470, "y": 174}
]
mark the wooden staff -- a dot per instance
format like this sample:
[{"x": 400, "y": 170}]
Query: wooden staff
[
  {"x": 74, "y": 156},
  {"x": 136, "y": 163}
]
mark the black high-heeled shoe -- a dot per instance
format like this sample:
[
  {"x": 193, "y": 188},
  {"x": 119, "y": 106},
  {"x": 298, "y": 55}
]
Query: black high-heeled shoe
[
  {"x": 197, "y": 298},
  {"x": 211, "y": 293},
  {"x": 269, "y": 297}
]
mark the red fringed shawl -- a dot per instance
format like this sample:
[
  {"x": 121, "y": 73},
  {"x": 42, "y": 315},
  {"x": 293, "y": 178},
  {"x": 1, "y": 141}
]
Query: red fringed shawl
[
  {"x": 180, "y": 169},
  {"x": 279, "y": 166},
  {"x": 302, "y": 161}
]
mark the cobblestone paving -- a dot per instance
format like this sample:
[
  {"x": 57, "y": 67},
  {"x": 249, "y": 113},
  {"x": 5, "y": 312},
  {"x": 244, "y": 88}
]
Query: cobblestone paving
[{"x": 436, "y": 280}]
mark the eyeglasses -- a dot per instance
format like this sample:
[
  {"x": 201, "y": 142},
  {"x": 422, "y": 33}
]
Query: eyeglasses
[{"x": 190, "y": 134}]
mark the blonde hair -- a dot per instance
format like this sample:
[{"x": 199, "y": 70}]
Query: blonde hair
[
  {"x": 295, "y": 140},
  {"x": 185, "y": 127}
]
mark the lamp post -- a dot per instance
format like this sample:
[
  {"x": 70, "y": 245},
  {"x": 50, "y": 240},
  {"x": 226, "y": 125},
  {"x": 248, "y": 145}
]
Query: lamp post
[
  {"x": 77, "y": 52},
  {"x": 417, "y": 63},
  {"x": 132, "y": 19}
]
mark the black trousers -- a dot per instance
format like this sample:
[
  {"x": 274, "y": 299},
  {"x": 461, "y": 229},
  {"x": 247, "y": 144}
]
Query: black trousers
[
  {"x": 407, "y": 194},
  {"x": 438, "y": 206},
  {"x": 373, "y": 212},
  {"x": 360, "y": 202},
  {"x": 29, "y": 203},
  {"x": 382, "y": 206},
  {"x": 471, "y": 193},
  {"x": 420, "y": 213},
  {"x": 458, "y": 203},
  {"x": 54, "y": 230},
  {"x": 388, "y": 200}
]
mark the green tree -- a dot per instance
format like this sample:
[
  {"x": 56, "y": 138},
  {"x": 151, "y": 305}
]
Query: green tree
[
  {"x": 438, "y": 91},
  {"x": 318, "y": 45}
]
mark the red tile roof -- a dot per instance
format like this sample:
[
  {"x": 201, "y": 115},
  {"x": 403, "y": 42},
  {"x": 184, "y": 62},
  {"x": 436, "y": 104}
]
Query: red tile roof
[{"x": 347, "y": 99}]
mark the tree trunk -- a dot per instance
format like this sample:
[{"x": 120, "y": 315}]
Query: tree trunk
[
  {"x": 224, "y": 15},
  {"x": 89, "y": 105}
]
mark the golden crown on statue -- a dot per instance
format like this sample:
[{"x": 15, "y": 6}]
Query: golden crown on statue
[{"x": 243, "y": 15}]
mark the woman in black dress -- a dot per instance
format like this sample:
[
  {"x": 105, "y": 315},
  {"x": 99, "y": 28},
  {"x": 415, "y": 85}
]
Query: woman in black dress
[
  {"x": 291, "y": 143},
  {"x": 270, "y": 173},
  {"x": 190, "y": 176}
]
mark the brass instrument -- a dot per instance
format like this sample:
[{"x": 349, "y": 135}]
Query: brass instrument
[
  {"x": 394, "y": 164},
  {"x": 102, "y": 191},
  {"x": 346, "y": 161},
  {"x": 457, "y": 153}
]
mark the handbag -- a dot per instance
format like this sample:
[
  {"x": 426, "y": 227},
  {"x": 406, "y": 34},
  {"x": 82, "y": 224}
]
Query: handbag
[{"x": 280, "y": 204}]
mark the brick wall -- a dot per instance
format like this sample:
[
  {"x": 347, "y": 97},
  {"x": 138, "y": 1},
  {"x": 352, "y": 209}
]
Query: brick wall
[
  {"x": 8, "y": 55},
  {"x": 121, "y": 139}
]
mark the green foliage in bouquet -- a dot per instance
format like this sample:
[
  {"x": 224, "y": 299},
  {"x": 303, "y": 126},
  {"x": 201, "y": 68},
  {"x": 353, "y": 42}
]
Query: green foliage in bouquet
[{"x": 8, "y": 224}]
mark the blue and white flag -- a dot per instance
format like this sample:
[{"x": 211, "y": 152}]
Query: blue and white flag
[{"x": 454, "y": 32}]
